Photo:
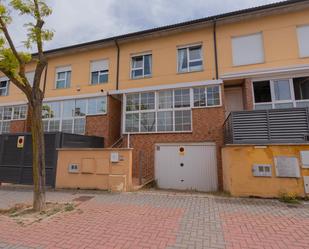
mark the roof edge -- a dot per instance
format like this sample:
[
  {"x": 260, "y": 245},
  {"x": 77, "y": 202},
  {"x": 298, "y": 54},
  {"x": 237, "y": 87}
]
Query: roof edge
[{"x": 175, "y": 26}]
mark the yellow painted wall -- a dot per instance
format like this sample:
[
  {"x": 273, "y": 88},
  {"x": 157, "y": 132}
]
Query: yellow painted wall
[
  {"x": 280, "y": 43},
  {"x": 237, "y": 170},
  {"x": 164, "y": 59},
  {"x": 80, "y": 63},
  {"x": 95, "y": 169}
]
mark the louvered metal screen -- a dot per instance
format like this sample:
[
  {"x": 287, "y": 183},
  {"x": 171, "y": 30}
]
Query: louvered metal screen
[{"x": 267, "y": 126}]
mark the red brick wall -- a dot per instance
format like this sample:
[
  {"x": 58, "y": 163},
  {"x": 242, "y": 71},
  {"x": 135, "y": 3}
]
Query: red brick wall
[
  {"x": 247, "y": 95},
  {"x": 207, "y": 127},
  {"x": 114, "y": 118},
  {"x": 97, "y": 125},
  {"x": 18, "y": 126},
  {"x": 107, "y": 126}
]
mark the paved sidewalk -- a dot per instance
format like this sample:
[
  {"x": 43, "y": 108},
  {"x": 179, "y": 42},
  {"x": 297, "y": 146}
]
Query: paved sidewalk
[{"x": 158, "y": 219}]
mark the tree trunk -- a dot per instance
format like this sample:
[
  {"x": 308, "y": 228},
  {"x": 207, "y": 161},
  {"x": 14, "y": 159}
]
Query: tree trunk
[{"x": 38, "y": 151}]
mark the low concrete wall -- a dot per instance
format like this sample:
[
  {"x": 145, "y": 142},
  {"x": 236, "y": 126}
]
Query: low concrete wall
[
  {"x": 238, "y": 178},
  {"x": 95, "y": 169}
]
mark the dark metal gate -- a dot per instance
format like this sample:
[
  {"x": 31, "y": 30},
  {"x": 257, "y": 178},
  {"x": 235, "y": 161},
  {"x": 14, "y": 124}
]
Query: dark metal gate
[{"x": 16, "y": 163}]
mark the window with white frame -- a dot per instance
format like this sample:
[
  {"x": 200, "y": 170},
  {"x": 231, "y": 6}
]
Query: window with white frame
[
  {"x": 70, "y": 115},
  {"x": 190, "y": 59},
  {"x": 303, "y": 40},
  {"x": 206, "y": 96},
  {"x": 248, "y": 49},
  {"x": 30, "y": 77},
  {"x": 63, "y": 77},
  {"x": 141, "y": 66},
  {"x": 9, "y": 113},
  {"x": 281, "y": 93},
  {"x": 99, "y": 72},
  {"x": 4, "y": 86},
  {"x": 166, "y": 110}
]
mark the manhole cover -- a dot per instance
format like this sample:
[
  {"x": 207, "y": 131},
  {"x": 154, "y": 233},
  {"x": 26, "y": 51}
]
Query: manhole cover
[{"x": 83, "y": 198}]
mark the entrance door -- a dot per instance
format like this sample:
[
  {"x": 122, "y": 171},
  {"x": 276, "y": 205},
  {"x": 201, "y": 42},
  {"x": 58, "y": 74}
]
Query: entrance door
[
  {"x": 186, "y": 167},
  {"x": 233, "y": 100}
]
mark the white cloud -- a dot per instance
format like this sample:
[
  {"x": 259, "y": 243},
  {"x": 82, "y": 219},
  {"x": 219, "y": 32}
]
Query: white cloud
[{"x": 76, "y": 21}]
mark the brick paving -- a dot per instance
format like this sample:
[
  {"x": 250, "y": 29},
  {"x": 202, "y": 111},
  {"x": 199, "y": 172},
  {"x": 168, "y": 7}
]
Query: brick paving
[{"x": 158, "y": 219}]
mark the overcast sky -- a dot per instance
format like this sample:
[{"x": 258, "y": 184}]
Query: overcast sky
[{"x": 77, "y": 21}]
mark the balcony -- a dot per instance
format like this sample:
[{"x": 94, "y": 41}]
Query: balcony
[{"x": 267, "y": 126}]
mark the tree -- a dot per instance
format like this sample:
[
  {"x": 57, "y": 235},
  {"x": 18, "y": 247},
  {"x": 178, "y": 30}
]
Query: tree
[{"x": 13, "y": 64}]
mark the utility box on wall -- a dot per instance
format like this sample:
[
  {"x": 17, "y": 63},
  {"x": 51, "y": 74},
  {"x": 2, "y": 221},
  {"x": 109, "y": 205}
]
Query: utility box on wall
[
  {"x": 262, "y": 170},
  {"x": 304, "y": 155},
  {"x": 287, "y": 166}
]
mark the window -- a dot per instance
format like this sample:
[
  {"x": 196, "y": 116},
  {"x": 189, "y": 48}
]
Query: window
[
  {"x": 9, "y": 113},
  {"x": 190, "y": 59},
  {"x": 63, "y": 77},
  {"x": 301, "y": 90},
  {"x": 97, "y": 106},
  {"x": 183, "y": 120},
  {"x": 141, "y": 66},
  {"x": 206, "y": 96},
  {"x": 70, "y": 115},
  {"x": 248, "y": 49},
  {"x": 303, "y": 40},
  {"x": 99, "y": 72},
  {"x": 182, "y": 98},
  {"x": 30, "y": 77},
  {"x": 281, "y": 93},
  {"x": 4, "y": 86},
  {"x": 165, "y": 121}
]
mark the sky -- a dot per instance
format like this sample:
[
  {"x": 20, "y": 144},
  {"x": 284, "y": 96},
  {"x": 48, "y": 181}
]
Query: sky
[{"x": 77, "y": 21}]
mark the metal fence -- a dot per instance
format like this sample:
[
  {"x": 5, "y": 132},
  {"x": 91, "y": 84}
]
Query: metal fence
[
  {"x": 267, "y": 126},
  {"x": 16, "y": 163}
]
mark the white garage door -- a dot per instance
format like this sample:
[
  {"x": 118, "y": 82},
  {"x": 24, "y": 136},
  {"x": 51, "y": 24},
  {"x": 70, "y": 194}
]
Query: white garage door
[{"x": 186, "y": 166}]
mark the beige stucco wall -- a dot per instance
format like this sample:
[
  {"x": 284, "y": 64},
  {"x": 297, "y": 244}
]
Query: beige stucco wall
[
  {"x": 279, "y": 37},
  {"x": 280, "y": 47},
  {"x": 95, "y": 169},
  {"x": 237, "y": 170}
]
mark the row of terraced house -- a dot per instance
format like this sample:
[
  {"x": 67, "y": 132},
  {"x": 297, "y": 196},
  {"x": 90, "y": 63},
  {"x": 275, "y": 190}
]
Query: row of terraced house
[{"x": 214, "y": 103}]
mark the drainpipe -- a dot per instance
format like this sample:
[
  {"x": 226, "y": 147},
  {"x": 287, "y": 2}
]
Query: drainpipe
[
  {"x": 215, "y": 47},
  {"x": 118, "y": 57}
]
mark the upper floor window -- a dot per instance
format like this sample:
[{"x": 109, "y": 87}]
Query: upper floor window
[
  {"x": 4, "y": 86},
  {"x": 30, "y": 77},
  {"x": 99, "y": 72},
  {"x": 141, "y": 66},
  {"x": 190, "y": 59},
  {"x": 303, "y": 40},
  {"x": 281, "y": 93},
  {"x": 248, "y": 49},
  {"x": 63, "y": 77}
]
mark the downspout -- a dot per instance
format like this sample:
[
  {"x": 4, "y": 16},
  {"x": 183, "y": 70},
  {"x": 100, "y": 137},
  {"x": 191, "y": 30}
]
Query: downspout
[
  {"x": 117, "y": 72},
  {"x": 215, "y": 47}
]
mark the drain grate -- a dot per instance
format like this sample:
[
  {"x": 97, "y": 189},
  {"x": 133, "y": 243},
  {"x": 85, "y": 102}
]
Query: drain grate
[{"x": 83, "y": 198}]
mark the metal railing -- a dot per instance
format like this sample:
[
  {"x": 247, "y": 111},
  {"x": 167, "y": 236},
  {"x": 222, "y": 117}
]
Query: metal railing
[{"x": 267, "y": 126}]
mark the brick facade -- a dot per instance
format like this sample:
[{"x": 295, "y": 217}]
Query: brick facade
[
  {"x": 18, "y": 126},
  {"x": 248, "y": 95},
  {"x": 108, "y": 125},
  {"x": 207, "y": 127}
]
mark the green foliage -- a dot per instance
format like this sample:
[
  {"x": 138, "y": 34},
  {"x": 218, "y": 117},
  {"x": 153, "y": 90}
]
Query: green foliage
[
  {"x": 11, "y": 60},
  {"x": 290, "y": 198}
]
